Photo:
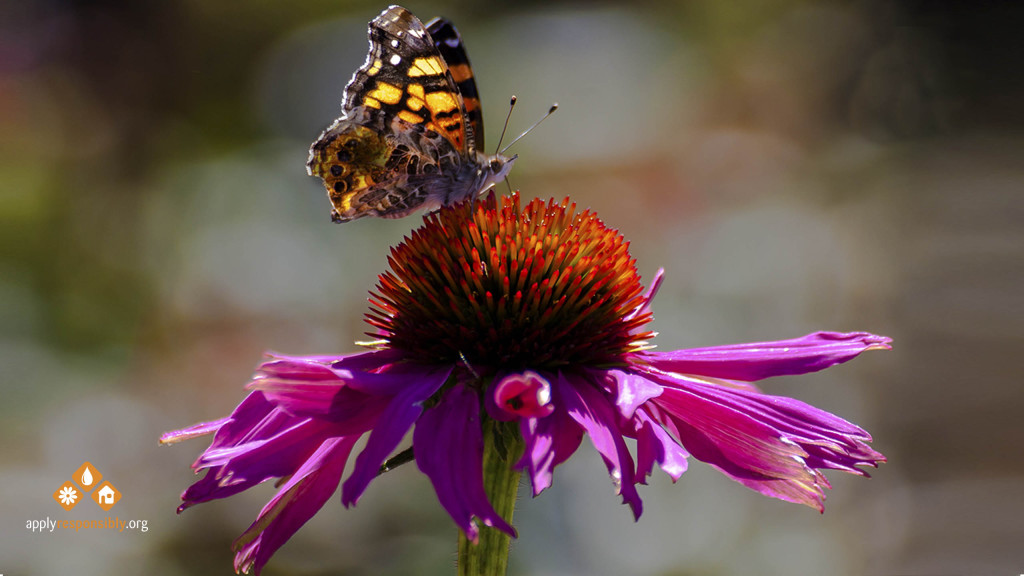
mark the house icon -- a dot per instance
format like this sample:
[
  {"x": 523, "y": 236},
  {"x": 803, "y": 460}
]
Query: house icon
[{"x": 106, "y": 496}]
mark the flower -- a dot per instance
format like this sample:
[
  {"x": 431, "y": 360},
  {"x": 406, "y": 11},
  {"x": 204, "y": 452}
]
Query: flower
[
  {"x": 532, "y": 316},
  {"x": 68, "y": 495}
]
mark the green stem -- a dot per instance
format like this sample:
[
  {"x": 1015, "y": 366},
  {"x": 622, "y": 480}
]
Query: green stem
[{"x": 489, "y": 557}]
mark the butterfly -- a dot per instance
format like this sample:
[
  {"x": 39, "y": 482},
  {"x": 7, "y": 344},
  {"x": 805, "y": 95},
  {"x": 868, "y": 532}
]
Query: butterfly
[{"x": 411, "y": 131}]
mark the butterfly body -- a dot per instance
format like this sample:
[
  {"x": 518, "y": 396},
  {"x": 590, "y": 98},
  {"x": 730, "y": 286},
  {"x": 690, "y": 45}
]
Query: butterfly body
[{"x": 411, "y": 129}]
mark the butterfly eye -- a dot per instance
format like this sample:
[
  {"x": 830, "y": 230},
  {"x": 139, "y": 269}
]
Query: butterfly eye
[{"x": 496, "y": 164}]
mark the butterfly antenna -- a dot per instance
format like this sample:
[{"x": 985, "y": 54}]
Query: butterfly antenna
[
  {"x": 535, "y": 124},
  {"x": 511, "y": 105}
]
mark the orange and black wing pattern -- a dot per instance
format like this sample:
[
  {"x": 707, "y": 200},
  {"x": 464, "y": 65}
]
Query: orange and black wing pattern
[
  {"x": 405, "y": 77},
  {"x": 449, "y": 44},
  {"x": 411, "y": 128}
]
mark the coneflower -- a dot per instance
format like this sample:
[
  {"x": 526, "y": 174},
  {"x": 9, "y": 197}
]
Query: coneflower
[{"x": 506, "y": 334}]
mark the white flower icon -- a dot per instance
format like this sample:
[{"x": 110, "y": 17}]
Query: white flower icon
[{"x": 68, "y": 495}]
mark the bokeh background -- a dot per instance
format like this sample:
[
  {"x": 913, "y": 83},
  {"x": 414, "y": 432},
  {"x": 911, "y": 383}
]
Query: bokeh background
[{"x": 794, "y": 165}]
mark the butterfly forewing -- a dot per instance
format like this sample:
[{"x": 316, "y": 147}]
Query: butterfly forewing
[{"x": 405, "y": 77}]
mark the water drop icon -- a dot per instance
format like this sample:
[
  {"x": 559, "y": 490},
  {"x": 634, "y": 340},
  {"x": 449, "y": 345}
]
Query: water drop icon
[{"x": 87, "y": 477}]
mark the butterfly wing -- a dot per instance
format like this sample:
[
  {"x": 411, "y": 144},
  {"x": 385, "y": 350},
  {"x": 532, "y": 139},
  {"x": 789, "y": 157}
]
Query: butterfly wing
[
  {"x": 449, "y": 44},
  {"x": 406, "y": 79}
]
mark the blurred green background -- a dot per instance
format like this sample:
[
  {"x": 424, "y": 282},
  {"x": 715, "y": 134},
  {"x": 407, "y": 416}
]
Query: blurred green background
[{"x": 794, "y": 165}]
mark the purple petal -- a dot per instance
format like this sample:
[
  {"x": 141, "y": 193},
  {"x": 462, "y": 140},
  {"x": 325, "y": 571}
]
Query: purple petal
[
  {"x": 234, "y": 469},
  {"x": 400, "y": 414},
  {"x": 646, "y": 299},
  {"x": 831, "y": 441},
  {"x": 363, "y": 361},
  {"x": 369, "y": 361},
  {"x": 294, "y": 504},
  {"x": 549, "y": 441},
  {"x": 392, "y": 379},
  {"x": 593, "y": 411},
  {"x": 317, "y": 385},
  {"x": 258, "y": 442},
  {"x": 253, "y": 411},
  {"x": 305, "y": 387},
  {"x": 449, "y": 450},
  {"x": 806, "y": 488},
  {"x": 771, "y": 444},
  {"x": 193, "y": 431},
  {"x": 740, "y": 438},
  {"x": 758, "y": 360},
  {"x": 629, "y": 390},
  {"x": 253, "y": 420},
  {"x": 655, "y": 445}
]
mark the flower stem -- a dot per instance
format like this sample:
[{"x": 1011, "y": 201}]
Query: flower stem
[{"x": 489, "y": 557}]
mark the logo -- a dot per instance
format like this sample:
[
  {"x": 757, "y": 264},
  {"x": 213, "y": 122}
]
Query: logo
[
  {"x": 67, "y": 496},
  {"x": 411, "y": 133},
  {"x": 83, "y": 481},
  {"x": 106, "y": 496},
  {"x": 86, "y": 483}
]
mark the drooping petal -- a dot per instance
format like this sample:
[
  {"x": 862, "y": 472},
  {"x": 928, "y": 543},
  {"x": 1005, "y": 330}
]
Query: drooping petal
[
  {"x": 396, "y": 419},
  {"x": 831, "y": 441},
  {"x": 770, "y": 444},
  {"x": 294, "y": 504},
  {"x": 356, "y": 361},
  {"x": 655, "y": 445},
  {"x": 239, "y": 442},
  {"x": 312, "y": 386},
  {"x": 237, "y": 468},
  {"x": 449, "y": 449},
  {"x": 630, "y": 390},
  {"x": 328, "y": 392},
  {"x": 738, "y": 437},
  {"x": 758, "y": 360},
  {"x": 806, "y": 487},
  {"x": 647, "y": 299},
  {"x": 394, "y": 379},
  {"x": 304, "y": 387},
  {"x": 251, "y": 413},
  {"x": 369, "y": 361},
  {"x": 193, "y": 431},
  {"x": 596, "y": 414},
  {"x": 332, "y": 387},
  {"x": 548, "y": 442}
]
